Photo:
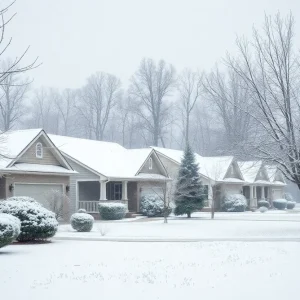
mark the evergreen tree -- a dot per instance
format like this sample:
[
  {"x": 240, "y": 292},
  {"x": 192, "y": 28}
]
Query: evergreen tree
[{"x": 189, "y": 193}]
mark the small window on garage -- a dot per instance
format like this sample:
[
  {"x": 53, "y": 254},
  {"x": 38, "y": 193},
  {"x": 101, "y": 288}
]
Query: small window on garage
[
  {"x": 150, "y": 163},
  {"x": 39, "y": 150}
]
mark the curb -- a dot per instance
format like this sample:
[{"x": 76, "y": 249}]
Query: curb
[{"x": 177, "y": 240}]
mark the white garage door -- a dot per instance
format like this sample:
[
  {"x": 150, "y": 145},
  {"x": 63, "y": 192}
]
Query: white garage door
[
  {"x": 277, "y": 194},
  {"x": 37, "y": 191}
]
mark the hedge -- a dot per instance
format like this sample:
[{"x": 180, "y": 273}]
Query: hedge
[
  {"x": 112, "y": 211},
  {"x": 82, "y": 222}
]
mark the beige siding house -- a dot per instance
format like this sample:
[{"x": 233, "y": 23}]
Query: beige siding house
[{"x": 90, "y": 172}]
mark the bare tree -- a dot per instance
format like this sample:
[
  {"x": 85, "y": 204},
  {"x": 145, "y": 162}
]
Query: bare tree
[
  {"x": 65, "y": 104},
  {"x": 13, "y": 91},
  {"x": 232, "y": 100},
  {"x": 97, "y": 99},
  {"x": 151, "y": 85},
  {"x": 269, "y": 66},
  {"x": 59, "y": 203},
  {"x": 13, "y": 67},
  {"x": 189, "y": 86}
]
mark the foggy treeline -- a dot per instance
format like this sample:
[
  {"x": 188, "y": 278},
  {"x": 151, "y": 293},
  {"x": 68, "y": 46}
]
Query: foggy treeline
[{"x": 248, "y": 105}]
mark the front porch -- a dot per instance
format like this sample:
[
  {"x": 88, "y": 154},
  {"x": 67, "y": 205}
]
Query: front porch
[
  {"x": 91, "y": 193},
  {"x": 255, "y": 193}
]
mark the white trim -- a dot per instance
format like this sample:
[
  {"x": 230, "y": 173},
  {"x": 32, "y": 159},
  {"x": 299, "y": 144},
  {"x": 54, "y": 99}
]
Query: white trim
[
  {"x": 150, "y": 162},
  {"x": 41, "y": 150},
  {"x": 36, "y": 173}
]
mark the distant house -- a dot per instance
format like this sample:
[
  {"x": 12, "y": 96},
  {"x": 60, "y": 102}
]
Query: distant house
[{"x": 89, "y": 172}]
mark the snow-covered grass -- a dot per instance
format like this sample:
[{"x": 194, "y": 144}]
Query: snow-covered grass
[
  {"x": 230, "y": 226},
  {"x": 105, "y": 270}
]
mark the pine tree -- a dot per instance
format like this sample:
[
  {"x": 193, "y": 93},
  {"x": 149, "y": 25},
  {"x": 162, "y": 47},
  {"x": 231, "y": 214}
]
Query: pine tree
[{"x": 189, "y": 193}]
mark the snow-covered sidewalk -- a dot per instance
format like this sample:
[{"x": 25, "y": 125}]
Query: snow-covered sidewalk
[
  {"x": 86, "y": 270},
  {"x": 267, "y": 227}
]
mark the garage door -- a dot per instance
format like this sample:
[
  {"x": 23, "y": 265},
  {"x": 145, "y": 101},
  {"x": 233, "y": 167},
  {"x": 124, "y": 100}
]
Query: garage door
[{"x": 37, "y": 191}]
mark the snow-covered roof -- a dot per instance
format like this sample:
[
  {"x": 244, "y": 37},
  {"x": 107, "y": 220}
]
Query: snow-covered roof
[
  {"x": 13, "y": 143},
  {"x": 24, "y": 167},
  {"x": 271, "y": 171},
  {"x": 214, "y": 167},
  {"x": 105, "y": 158},
  {"x": 249, "y": 169},
  {"x": 147, "y": 176}
]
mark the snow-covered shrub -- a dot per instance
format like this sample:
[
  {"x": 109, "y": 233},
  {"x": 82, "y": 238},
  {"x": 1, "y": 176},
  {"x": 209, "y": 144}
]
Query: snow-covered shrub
[
  {"x": 290, "y": 204},
  {"x": 24, "y": 199},
  {"x": 81, "y": 210},
  {"x": 264, "y": 203},
  {"x": 37, "y": 222},
  {"x": 112, "y": 211},
  {"x": 234, "y": 203},
  {"x": 82, "y": 222},
  {"x": 263, "y": 209},
  {"x": 280, "y": 204},
  {"x": 153, "y": 206},
  {"x": 9, "y": 229}
]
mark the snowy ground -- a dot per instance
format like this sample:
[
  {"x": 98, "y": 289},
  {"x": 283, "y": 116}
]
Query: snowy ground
[
  {"x": 108, "y": 270},
  {"x": 235, "y": 226}
]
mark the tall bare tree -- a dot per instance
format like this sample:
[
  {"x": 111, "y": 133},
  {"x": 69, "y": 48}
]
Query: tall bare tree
[
  {"x": 97, "y": 100},
  {"x": 151, "y": 85},
  {"x": 269, "y": 66},
  {"x": 12, "y": 95},
  {"x": 189, "y": 86},
  {"x": 65, "y": 104},
  {"x": 231, "y": 98},
  {"x": 14, "y": 66}
]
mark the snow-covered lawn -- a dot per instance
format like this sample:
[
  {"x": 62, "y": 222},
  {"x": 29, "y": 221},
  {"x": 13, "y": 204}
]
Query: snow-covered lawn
[
  {"x": 108, "y": 270},
  {"x": 225, "y": 226}
]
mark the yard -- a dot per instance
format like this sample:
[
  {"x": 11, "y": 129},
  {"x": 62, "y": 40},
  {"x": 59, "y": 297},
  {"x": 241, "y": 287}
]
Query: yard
[
  {"x": 109, "y": 270},
  {"x": 248, "y": 256}
]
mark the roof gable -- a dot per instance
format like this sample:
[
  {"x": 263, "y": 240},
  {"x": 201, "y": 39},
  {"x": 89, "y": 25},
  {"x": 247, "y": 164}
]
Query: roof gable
[{"x": 250, "y": 169}]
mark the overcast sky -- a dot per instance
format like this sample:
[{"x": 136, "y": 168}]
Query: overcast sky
[{"x": 75, "y": 38}]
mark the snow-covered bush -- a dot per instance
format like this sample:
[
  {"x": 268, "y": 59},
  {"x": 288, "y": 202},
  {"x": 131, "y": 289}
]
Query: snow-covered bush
[
  {"x": 280, "y": 204},
  {"x": 153, "y": 206},
  {"x": 9, "y": 229},
  {"x": 24, "y": 199},
  {"x": 37, "y": 222},
  {"x": 112, "y": 211},
  {"x": 290, "y": 204},
  {"x": 263, "y": 209},
  {"x": 81, "y": 210},
  {"x": 82, "y": 222},
  {"x": 234, "y": 203},
  {"x": 264, "y": 203}
]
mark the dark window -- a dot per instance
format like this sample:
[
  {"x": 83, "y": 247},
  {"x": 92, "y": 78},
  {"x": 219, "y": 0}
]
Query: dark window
[
  {"x": 114, "y": 191},
  {"x": 205, "y": 191}
]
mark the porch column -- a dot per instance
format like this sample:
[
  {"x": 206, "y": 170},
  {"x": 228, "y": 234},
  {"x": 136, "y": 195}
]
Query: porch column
[
  {"x": 263, "y": 193},
  {"x": 103, "y": 190},
  {"x": 251, "y": 196},
  {"x": 124, "y": 192}
]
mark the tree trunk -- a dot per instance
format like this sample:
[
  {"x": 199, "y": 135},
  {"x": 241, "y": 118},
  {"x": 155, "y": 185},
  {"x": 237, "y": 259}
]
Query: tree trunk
[
  {"x": 187, "y": 128},
  {"x": 188, "y": 214}
]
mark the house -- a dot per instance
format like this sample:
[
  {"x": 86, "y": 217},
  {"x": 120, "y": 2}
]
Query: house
[
  {"x": 31, "y": 165},
  {"x": 261, "y": 182},
  {"x": 90, "y": 172}
]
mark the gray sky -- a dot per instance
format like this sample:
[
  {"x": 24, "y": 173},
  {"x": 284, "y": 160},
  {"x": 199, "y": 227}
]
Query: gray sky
[{"x": 75, "y": 38}]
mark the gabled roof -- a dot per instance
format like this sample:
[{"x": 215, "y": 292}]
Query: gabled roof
[
  {"x": 250, "y": 169},
  {"x": 214, "y": 167},
  {"x": 105, "y": 158},
  {"x": 15, "y": 143}
]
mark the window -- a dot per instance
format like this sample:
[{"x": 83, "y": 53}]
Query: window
[
  {"x": 150, "y": 163},
  {"x": 205, "y": 191},
  {"x": 39, "y": 150},
  {"x": 114, "y": 190}
]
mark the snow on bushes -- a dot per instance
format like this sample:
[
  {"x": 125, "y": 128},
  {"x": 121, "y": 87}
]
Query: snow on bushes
[
  {"x": 290, "y": 204},
  {"x": 264, "y": 203},
  {"x": 112, "y": 211},
  {"x": 153, "y": 206},
  {"x": 288, "y": 197},
  {"x": 280, "y": 204},
  {"x": 263, "y": 209},
  {"x": 9, "y": 229},
  {"x": 81, "y": 210},
  {"x": 81, "y": 221},
  {"x": 37, "y": 222},
  {"x": 24, "y": 199},
  {"x": 234, "y": 203}
]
